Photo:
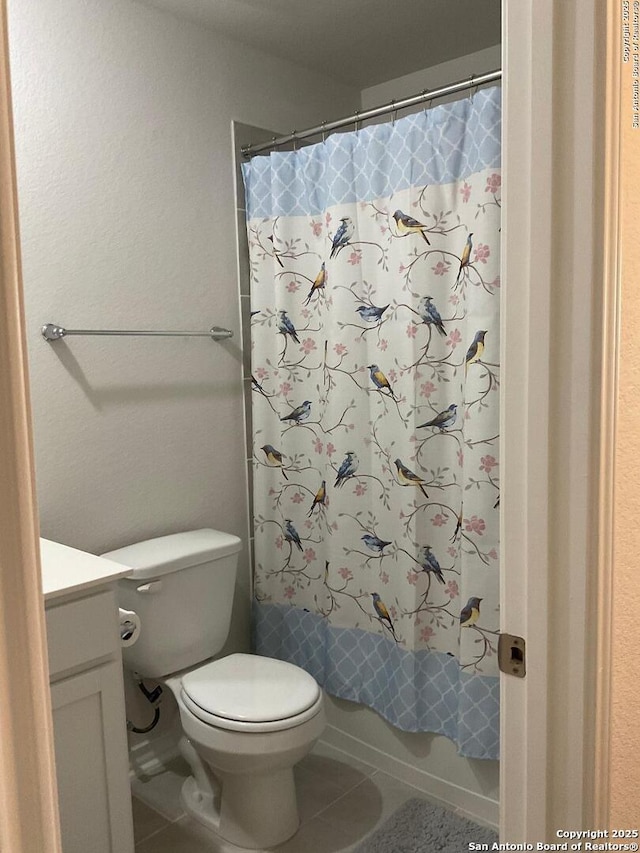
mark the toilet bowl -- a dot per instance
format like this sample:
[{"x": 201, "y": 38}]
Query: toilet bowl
[{"x": 246, "y": 720}]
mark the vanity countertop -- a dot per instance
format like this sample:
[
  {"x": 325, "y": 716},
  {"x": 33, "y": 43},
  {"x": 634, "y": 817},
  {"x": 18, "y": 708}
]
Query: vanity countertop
[{"x": 66, "y": 570}]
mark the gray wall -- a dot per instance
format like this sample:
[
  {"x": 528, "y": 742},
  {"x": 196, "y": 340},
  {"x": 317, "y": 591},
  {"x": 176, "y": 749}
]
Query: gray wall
[
  {"x": 127, "y": 213},
  {"x": 436, "y": 75}
]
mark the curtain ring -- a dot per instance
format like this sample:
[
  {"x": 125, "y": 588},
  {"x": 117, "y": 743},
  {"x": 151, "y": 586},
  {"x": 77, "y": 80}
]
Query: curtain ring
[
  {"x": 324, "y": 130},
  {"x": 394, "y": 112},
  {"x": 471, "y": 92},
  {"x": 294, "y": 140},
  {"x": 356, "y": 121}
]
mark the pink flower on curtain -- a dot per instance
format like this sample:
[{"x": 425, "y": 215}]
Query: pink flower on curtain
[
  {"x": 412, "y": 577},
  {"x": 285, "y": 389},
  {"x": 465, "y": 191},
  {"x": 454, "y": 338},
  {"x": 316, "y": 227},
  {"x": 289, "y": 592},
  {"x": 345, "y": 573},
  {"x": 317, "y": 445},
  {"x": 427, "y": 389},
  {"x": 297, "y": 498},
  {"x": 441, "y": 268},
  {"x": 355, "y": 257},
  {"x": 427, "y": 633},
  {"x": 411, "y": 330},
  {"x": 309, "y": 555},
  {"x": 330, "y": 449},
  {"x": 494, "y": 182},
  {"x": 308, "y": 345},
  {"x": 481, "y": 253},
  {"x": 438, "y": 520},
  {"x": 452, "y": 589},
  {"x": 293, "y": 286},
  {"x": 487, "y": 464},
  {"x": 474, "y": 525},
  {"x": 340, "y": 349},
  {"x": 261, "y": 373}
]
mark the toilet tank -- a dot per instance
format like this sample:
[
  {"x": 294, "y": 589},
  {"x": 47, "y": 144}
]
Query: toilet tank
[{"x": 182, "y": 589}]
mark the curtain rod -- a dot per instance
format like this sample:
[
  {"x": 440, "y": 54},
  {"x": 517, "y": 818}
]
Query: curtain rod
[{"x": 357, "y": 117}]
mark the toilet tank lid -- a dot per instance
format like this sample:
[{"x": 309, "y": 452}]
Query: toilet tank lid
[{"x": 166, "y": 554}]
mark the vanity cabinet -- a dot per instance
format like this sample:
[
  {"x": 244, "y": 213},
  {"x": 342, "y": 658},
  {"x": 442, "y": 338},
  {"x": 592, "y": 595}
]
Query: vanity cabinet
[{"x": 89, "y": 722}]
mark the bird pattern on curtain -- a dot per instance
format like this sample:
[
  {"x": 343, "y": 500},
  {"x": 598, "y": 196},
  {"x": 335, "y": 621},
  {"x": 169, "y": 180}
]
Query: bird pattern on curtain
[{"x": 375, "y": 284}]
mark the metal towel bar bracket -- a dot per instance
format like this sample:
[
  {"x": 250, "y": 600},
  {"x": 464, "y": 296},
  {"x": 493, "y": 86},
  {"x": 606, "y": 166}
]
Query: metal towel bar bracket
[{"x": 53, "y": 332}]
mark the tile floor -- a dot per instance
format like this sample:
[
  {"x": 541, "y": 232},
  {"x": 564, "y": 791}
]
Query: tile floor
[{"x": 340, "y": 800}]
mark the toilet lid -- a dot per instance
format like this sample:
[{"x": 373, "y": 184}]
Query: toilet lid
[{"x": 251, "y": 689}]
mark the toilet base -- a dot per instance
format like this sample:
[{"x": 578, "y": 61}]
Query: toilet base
[
  {"x": 243, "y": 787},
  {"x": 273, "y": 811}
]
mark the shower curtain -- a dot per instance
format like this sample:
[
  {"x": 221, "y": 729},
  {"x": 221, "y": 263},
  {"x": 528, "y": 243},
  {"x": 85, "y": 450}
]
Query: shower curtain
[{"x": 375, "y": 284}]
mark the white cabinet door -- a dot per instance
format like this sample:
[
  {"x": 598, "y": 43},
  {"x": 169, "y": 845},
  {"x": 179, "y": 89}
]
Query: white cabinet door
[{"x": 91, "y": 762}]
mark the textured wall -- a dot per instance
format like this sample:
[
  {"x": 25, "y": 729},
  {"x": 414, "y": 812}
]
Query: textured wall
[
  {"x": 122, "y": 119},
  {"x": 625, "y": 710},
  {"x": 127, "y": 213}
]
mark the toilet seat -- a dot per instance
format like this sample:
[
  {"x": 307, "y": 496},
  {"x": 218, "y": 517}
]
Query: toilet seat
[
  {"x": 249, "y": 693},
  {"x": 248, "y": 728}
]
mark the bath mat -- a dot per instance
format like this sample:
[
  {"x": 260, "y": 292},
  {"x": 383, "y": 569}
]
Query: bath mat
[{"x": 422, "y": 827}]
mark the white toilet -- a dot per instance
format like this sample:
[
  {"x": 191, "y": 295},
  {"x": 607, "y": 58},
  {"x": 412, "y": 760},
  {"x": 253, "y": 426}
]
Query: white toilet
[{"x": 247, "y": 720}]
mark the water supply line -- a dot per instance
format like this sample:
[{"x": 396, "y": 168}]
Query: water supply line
[{"x": 152, "y": 696}]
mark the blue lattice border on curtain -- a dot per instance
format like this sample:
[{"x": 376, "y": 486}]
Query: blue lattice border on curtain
[
  {"x": 429, "y": 147},
  {"x": 416, "y": 691}
]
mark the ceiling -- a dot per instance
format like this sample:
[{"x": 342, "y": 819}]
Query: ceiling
[{"x": 359, "y": 42}]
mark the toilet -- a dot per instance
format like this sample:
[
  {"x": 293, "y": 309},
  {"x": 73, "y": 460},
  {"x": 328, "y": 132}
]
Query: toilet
[{"x": 246, "y": 720}]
